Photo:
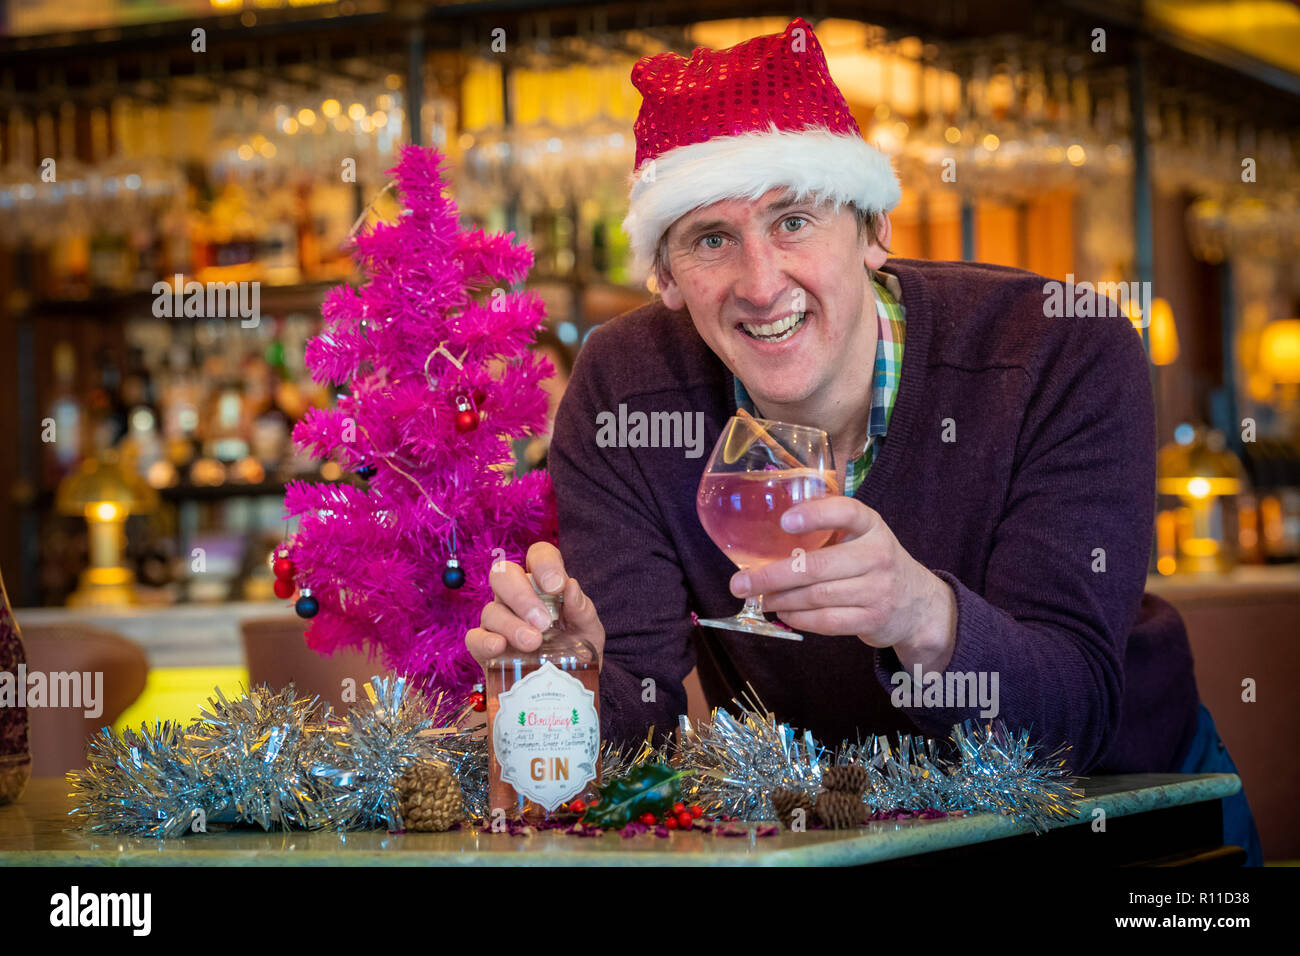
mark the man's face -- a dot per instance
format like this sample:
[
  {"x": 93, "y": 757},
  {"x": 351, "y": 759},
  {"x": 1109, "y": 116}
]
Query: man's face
[{"x": 776, "y": 289}]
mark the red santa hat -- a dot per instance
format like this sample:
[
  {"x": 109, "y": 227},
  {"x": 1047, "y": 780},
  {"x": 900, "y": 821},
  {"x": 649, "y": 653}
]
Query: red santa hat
[{"x": 736, "y": 123}]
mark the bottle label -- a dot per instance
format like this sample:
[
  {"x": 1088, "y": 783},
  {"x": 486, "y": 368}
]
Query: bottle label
[{"x": 547, "y": 736}]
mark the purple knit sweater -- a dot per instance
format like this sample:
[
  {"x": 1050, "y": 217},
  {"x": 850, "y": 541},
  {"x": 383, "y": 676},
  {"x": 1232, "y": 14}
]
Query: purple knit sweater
[{"x": 1054, "y": 458}]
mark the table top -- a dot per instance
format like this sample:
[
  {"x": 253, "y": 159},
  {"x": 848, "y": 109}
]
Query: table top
[{"x": 37, "y": 832}]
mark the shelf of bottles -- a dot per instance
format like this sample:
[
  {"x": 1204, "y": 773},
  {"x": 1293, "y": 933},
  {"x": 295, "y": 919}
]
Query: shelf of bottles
[{"x": 105, "y": 204}]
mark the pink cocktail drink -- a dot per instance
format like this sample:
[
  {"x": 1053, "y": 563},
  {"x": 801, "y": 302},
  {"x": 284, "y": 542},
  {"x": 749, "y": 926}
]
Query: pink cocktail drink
[{"x": 741, "y": 512}]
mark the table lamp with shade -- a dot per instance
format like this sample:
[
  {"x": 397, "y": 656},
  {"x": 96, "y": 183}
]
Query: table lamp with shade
[
  {"x": 105, "y": 491},
  {"x": 1279, "y": 359},
  {"x": 1197, "y": 468}
]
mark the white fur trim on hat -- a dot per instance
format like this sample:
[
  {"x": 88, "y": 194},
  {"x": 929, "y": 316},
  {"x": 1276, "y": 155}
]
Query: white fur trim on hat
[{"x": 835, "y": 166}]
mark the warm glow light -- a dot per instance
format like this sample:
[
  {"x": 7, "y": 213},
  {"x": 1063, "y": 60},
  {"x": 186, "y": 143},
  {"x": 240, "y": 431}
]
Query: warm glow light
[
  {"x": 267, "y": 149},
  {"x": 331, "y": 471},
  {"x": 378, "y": 120},
  {"x": 952, "y": 134},
  {"x": 1279, "y": 351},
  {"x": 331, "y": 108},
  {"x": 341, "y": 123},
  {"x": 289, "y": 125},
  {"x": 384, "y": 101},
  {"x": 245, "y": 152},
  {"x": 356, "y": 111},
  {"x": 991, "y": 142},
  {"x": 393, "y": 81},
  {"x": 1076, "y": 155},
  {"x": 107, "y": 511},
  {"x": 306, "y": 117},
  {"x": 365, "y": 124},
  {"x": 1163, "y": 334},
  {"x": 1198, "y": 488}
]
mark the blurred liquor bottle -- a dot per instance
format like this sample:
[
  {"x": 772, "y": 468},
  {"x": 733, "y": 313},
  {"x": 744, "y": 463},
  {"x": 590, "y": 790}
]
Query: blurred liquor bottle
[
  {"x": 113, "y": 254},
  {"x": 143, "y": 432},
  {"x": 106, "y": 410},
  {"x": 66, "y": 235},
  {"x": 64, "y": 416}
]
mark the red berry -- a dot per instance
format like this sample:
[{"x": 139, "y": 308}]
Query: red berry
[
  {"x": 696, "y": 812},
  {"x": 648, "y": 819},
  {"x": 670, "y": 823},
  {"x": 679, "y": 807},
  {"x": 685, "y": 820},
  {"x": 283, "y": 568},
  {"x": 577, "y": 806},
  {"x": 284, "y": 587}
]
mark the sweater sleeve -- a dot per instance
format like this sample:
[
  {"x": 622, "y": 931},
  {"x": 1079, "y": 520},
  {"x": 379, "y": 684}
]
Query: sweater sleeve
[
  {"x": 614, "y": 543},
  {"x": 1069, "y": 556}
]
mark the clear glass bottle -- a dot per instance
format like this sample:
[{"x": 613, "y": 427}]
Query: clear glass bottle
[{"x": 548, "y": 743}]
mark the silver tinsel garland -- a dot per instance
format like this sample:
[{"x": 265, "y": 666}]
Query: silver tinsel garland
[
  {"x": 268, "y": 758},
  {"x": 735, "y": 764},
  {"x": 276, "y": 760}
]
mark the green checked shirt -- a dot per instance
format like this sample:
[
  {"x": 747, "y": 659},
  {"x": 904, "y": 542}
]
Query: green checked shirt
[{"x": 891, "y": 323}]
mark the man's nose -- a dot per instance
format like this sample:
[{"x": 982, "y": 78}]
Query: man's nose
[{"x": 760, "y": 283}]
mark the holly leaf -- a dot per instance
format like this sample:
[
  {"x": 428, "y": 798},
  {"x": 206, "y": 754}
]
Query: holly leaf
[{"x": 653, "y": 788}]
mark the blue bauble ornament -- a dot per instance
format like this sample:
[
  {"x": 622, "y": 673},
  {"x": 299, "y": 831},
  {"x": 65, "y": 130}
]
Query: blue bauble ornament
[
  {"x": 306, "y": 605},
  {"x": 453, "y": 575}
]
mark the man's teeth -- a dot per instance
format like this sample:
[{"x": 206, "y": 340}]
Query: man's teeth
[{"x": 776, "y": 331}]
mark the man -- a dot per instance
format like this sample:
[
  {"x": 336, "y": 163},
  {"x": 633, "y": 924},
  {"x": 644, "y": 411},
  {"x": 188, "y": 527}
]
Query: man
[{"x": 998, "y": 465}]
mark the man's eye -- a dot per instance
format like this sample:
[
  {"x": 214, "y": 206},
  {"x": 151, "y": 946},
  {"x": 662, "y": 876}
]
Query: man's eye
[
  {"x": 707, "y": 238},
  {"x": 793, "y": 219}
]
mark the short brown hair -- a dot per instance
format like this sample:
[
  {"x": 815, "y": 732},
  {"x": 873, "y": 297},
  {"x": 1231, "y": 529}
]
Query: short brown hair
[{"x": 869, "y": 223}]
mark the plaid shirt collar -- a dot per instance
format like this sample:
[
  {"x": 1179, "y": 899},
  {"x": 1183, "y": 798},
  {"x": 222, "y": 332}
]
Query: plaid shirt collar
[{"x": 890, "y": 326}]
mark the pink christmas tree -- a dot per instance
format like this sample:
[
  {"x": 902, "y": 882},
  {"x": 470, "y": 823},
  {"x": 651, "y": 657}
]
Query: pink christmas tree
[{"x": 434, "y": 351}]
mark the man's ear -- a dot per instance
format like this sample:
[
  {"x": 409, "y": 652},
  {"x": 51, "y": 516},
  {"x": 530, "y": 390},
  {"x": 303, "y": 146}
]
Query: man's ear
[
  {"x": 876, "y": 254},
  {"x": 669, "y": 291}
]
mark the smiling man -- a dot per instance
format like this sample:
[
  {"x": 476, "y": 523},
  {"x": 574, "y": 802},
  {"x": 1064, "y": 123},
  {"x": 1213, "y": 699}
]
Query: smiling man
[{"x": 998, "y": 465}]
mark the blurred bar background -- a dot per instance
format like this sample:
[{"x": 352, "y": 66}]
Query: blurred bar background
[{"x": 218, "y": 140}]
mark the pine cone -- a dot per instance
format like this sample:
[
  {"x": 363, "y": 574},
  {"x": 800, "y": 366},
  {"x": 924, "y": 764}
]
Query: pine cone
[
  {"x": 849, "y": 778},
  {"x": 841, "y": 811},
  {"x": 430, "y": 797},
  {"x": 787, "y": 802}
]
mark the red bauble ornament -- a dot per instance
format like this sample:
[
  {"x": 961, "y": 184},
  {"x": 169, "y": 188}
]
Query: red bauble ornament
[
  {"x": 283, "y": 568},
  {"x": 478, "y": 701},
  {"x": 284, "y": 587},
  {"x": 466, "y": 415},
  {"x": 466, "y": 421}
]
